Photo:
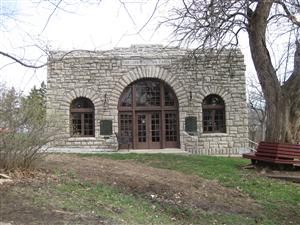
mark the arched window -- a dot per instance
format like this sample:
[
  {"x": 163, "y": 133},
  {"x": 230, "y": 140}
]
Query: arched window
[
  {"x": 82, "y": 117},
  {"x": 214, "y": 114},
  {"x": 148, "y": 115}
]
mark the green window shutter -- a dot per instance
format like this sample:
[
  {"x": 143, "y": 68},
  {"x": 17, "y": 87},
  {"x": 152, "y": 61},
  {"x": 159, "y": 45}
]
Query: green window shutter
[
  {"x": 191, "y": 125},
  {"x": 106, "y": 127}
]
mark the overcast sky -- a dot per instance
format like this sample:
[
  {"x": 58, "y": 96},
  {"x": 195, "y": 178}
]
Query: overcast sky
[{"x": 29, "y": 26}]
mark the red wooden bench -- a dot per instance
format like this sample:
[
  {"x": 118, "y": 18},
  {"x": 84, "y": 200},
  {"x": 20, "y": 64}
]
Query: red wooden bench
[{"x": 275, "y": 153}]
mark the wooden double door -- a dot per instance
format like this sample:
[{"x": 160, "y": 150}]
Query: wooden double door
[
  {"x": 150, "y": 130},
  {"x": 156, "y": 130}
]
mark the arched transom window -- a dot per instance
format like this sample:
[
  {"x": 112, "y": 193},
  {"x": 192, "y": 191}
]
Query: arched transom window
[
  {"x": 82, "y": 117},
  {"x": 214, "y": 114}
]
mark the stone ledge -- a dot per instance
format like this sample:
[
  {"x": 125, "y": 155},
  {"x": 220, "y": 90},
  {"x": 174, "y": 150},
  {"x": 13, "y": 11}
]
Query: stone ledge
[
  {"x": 78, "y": 150},
  {"x": 214, "y": 135},
  {"x": 82, "y": 139}
]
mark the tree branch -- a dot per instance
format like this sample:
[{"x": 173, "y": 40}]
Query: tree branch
[
  {"x": 290, "y": 16},
  {"x": 21, "y": 62},
  {"x": 49, "y": 17}
]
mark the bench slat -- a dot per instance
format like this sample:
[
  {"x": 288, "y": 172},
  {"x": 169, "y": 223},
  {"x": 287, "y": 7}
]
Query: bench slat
[
  {"x": 278, "y": 149},
  {"x": 276, "y": 153},
  {"x": 277, "y": 145},
  {"x": 288, "y": 154}
]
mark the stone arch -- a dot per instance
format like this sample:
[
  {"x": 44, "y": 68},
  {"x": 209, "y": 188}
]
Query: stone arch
[
  {"x": 148, "y": 72},
  {"x": 210, "y": 90},
  {"x": 69, "y": 96}
]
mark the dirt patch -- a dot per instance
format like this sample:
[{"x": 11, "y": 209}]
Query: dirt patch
[
  {"x": 18, "y": 208},
  {"x": 160, "y": 185},
  {"x": 21, "y": 211}
]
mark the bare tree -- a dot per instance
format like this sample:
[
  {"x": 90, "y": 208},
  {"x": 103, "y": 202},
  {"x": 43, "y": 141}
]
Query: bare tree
[
  {"x": 257, "y": 111},
  {"x": 219, "y": 24}
]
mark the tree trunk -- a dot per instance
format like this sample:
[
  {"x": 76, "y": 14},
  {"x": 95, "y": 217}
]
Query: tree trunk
[
  {"x": 282, "y": 101},
  {"x": 293, "y": 131},
  {"x": 277, "y": 119},
  {"x": 263, "y": 129},
  {"x": 292, "y": 90}
]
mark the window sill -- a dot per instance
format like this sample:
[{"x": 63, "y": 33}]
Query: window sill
[
  {"x": 82, "y": 138},
  {"x": 214, "y": 134}
]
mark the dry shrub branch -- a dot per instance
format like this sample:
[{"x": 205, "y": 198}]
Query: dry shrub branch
[{"x": 24, "y": 129}]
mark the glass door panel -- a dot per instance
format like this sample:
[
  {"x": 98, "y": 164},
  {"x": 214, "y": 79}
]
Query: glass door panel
[
  {"x": 171, "y": 132},
  {"x": 155, "y": 139},
  {"x": 125, "y": 128},
  {"x": 142, "y": 126}
]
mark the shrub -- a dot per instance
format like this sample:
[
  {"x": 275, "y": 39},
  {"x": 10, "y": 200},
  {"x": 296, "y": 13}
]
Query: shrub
[{"x": 25, "y": 132}]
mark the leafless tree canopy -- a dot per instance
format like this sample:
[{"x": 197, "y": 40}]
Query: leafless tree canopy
[
  {"x": 209, "y": 23},
  {"x": 212, "y": 23},
  {"x": 219, "y": 24}
]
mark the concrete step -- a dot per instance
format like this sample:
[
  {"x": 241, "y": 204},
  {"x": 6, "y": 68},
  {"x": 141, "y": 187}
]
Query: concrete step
[
  {"x": 98, "y": 150},
  {"x": 153, "y": 151}
]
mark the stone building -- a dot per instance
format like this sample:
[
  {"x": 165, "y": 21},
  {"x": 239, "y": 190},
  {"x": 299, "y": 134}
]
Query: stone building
[{"x": 149, "y": 97}]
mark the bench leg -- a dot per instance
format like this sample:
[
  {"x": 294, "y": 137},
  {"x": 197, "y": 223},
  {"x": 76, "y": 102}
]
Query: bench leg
[
  {"x": 253, "y": 161},
  {"x": 286, "y": 167}
]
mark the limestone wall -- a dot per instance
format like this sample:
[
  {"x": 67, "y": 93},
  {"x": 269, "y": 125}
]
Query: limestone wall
[{"x": 102, "y": 76}]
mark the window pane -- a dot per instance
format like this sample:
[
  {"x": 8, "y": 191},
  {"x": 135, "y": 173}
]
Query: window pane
[
  {"x": 169, "y": 96},
  {"x": 148, "y": 93},
  {"x": 171, "y": 126},
  {"x": 126, "y": 98},
  {"x": 207, "y": 121},
  {"x": 81, "y": 103},
  {"x": 213, "y": 100},
  {"x": 219, "y": 120},
  {"x": 88, "y": 124},
  {"x": 213, "y": 120},
  {"x": 126, "y": 125},
  {"x": 76, "y": 124},
  {"x": 155, "y": 127},
  {"x": 142, "y": 133}
]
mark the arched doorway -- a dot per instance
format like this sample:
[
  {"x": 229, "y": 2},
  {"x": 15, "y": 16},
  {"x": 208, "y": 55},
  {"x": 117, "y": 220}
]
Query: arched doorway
[{"x": 148, "y": 115}]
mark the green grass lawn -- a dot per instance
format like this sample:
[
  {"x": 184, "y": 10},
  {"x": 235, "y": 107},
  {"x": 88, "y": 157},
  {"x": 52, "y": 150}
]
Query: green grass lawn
[{"x": 280, "y": 200}]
